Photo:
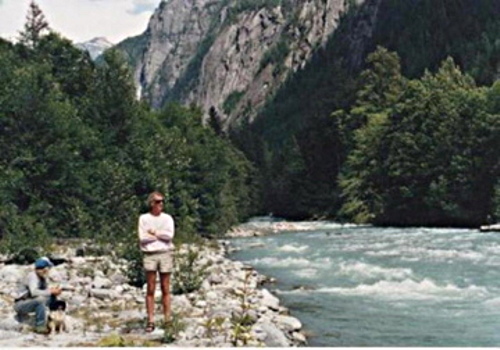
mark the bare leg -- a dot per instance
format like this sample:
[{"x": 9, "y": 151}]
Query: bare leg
[
  {"x": 165, "y": 298},
  {"x": 150, "y": 295}
]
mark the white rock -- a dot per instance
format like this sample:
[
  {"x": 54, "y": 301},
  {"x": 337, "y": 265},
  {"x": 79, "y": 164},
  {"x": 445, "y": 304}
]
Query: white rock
[
  {"x": 8, "y": 335},
  {"x": 205, "y": 285},
  {"x": 288, "y": 323},
  {"x": 84, "y": 281},
  {"x": 75, "y": 301},
  {"x": 118, "y": 278},
  {"x": 220, "y": 311},
  {"x": 201, "y": 303},
  {"x": 77, "y": 260},
  {"x": 103, "y": 294},
  {"x": 128, "y": 297},
  {"x": 181, "y": 303},
  {"x": 270, "y": 335},
  {"x": 215, "y": 278},
  {"x": 99, "y": 273},
  {"x": 12, "y": 273},
  {"x": 299, "y": 337},
  {"x": 211, "y": 295},
  {"x": 10, "y": 323},
  {"x": 262, "y": 309},
  {"x": 100, "y": 282},
  {"x": 58, "y": 274},
  {"x": 269, "y": 300},
  {"x": 158, "y": 294}
]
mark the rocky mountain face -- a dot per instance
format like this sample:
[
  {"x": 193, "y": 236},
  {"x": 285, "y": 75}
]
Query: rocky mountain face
[
  {"x": 95, "y": 47},
  {"x": 228, "y": 56}
]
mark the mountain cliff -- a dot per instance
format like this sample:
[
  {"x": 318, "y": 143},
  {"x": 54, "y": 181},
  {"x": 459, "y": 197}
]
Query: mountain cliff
[{"x": 227, "y": 56}]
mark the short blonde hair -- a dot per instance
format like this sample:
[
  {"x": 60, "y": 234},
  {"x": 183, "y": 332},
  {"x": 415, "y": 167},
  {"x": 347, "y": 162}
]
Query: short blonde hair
[{"x": 151, "y": 197}]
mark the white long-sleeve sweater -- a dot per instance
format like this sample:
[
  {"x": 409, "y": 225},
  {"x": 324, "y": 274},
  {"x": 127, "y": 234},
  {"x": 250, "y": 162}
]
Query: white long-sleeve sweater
[{"x": 163, "y": 224}]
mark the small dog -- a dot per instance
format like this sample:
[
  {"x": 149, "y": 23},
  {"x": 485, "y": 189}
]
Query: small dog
[{"x": 57, "y": 317}]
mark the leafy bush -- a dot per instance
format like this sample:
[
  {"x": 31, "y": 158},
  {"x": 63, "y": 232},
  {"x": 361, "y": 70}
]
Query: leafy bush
[
  {"x": 171, "y": 329},
  {"x": 188, "y": 273},
  {"x": 134, "y": 269},
  {"x": 21, "y": 233},
  {"x": 275, "y": 55},
  {"x": 231, "y": 101}
]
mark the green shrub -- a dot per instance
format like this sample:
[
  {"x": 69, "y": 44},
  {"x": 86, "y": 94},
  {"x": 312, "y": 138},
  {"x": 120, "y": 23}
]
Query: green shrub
[
  {"x": 134, "y": 270},
  {"x": 21, "y": 232},
  {"x": 241, "y": 322},
  {"x": 188, "y": 275},
  {"x": 231, "y": 101},
  {"x": 115, "y": 340},
  {"x": 171, "y": 329},
  {"x": 275, "y": 55}
]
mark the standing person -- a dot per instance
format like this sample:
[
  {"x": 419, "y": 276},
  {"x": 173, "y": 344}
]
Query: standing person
[
  {"x": 35, "y": 295},
  {"x": 156, "y": 232}
]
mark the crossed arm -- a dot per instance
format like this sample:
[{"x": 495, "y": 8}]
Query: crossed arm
[{"x": 149, "y": 235}]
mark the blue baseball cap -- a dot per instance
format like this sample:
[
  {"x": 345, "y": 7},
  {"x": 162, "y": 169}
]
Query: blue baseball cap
[{"x": 43, "y": 263}]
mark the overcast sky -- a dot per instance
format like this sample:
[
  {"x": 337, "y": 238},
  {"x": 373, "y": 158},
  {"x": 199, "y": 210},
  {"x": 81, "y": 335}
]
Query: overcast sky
[{"x": 81, "y": 20}]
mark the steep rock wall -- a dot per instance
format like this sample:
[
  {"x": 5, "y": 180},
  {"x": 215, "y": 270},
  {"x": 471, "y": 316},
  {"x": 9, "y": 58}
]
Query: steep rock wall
[{"x": 226, "y": 57}]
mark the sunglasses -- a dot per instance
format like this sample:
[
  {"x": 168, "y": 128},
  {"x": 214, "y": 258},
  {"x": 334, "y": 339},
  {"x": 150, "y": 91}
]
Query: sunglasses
[{"x": 158, "y": 201}]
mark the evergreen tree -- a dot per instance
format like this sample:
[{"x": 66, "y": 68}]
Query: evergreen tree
[
  {"x": 34, "y": 27},
  {"x": 361, "y": 131}
]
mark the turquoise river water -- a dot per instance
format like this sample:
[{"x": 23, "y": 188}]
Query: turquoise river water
[{"x": 365, "y": 286}]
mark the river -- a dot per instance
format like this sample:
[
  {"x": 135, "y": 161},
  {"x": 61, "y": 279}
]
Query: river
[{"x": 382, "y": 287}]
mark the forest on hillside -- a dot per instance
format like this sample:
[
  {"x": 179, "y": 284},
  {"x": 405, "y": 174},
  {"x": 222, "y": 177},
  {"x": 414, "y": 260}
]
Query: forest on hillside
[
  {"x": 80, "y": 154},
  {"x": 407, "y": 136}
]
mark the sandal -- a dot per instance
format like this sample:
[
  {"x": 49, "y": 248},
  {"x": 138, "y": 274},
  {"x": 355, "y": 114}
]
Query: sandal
[{"x": 150, "y": 326}]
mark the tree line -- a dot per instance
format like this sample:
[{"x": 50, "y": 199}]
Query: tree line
[
  {"x": 80, "y": 153},
  {"x": 422, "y": 151}
]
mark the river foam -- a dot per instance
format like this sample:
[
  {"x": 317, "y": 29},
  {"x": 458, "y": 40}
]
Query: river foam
[
  {"x": 293, "y": 248},
  {"x": 368, "y": 271},
  {"x": 291, "y": 262},
  {"x": 403, "y": 290}
]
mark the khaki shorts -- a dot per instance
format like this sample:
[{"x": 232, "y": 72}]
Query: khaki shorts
[{"x": 159, "y": 261}]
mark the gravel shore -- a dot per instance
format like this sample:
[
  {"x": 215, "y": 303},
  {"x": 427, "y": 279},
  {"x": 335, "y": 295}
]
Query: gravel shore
[{"x": 231, "y": 308}]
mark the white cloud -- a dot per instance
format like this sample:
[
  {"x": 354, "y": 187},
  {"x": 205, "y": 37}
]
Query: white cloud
[
  {"x": 82, "y": 20},
  {"x": 141, "y": 6}
]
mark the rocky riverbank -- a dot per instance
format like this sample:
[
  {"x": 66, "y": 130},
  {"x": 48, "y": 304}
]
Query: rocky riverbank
[
  {"x": 257, "y": 228},
  {"x": 490, "y": 228},
  {"x": 230, "y": 309},
  {"x": 267, "y": 225}
]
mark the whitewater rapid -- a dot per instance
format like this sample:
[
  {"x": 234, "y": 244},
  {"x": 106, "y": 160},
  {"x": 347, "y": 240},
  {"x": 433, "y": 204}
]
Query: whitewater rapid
[{"x": 366, "y": 286}]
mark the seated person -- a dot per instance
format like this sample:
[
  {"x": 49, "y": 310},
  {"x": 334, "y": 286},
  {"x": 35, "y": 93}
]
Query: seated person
[{"x": 35, "y": 295}]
